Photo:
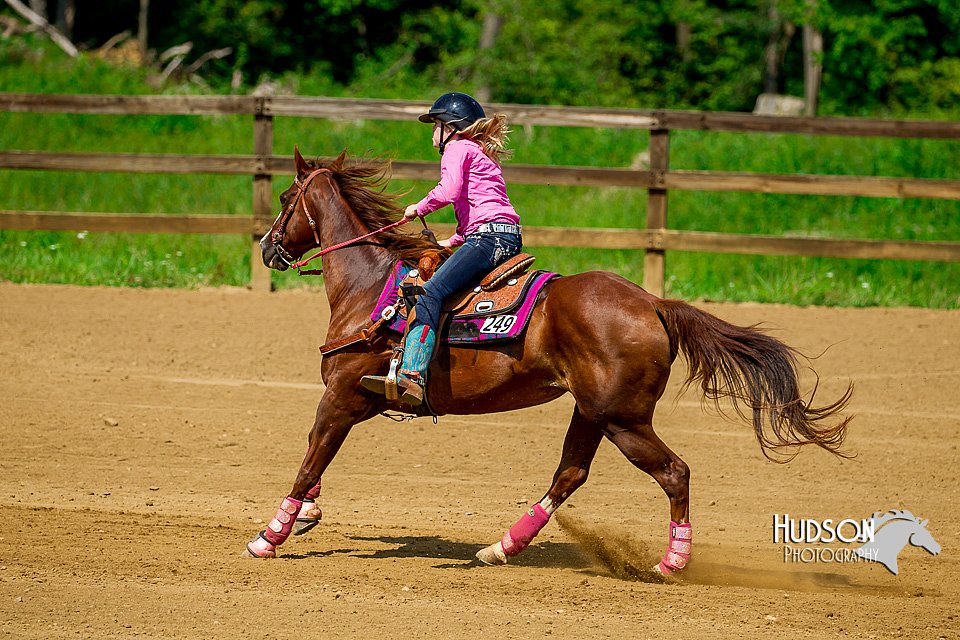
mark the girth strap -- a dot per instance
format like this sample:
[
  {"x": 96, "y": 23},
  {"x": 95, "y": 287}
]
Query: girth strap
[{"x": 366, "y": 335}]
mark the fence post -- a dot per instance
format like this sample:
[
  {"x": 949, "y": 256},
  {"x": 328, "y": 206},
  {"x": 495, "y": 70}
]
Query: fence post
[
  {"x": 654, "y": 259},
  {"x": 262, "y": 193}
]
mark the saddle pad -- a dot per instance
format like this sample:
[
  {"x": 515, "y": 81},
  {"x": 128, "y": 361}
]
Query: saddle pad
[
  {"x": 502, "y": 324},
  {"x": 471, "y": 326}
]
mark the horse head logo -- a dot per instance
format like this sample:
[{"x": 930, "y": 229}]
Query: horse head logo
[{"x": 892, "y": 531}]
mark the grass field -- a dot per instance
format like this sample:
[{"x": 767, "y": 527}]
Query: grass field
[{"x": 189, "y": 261}]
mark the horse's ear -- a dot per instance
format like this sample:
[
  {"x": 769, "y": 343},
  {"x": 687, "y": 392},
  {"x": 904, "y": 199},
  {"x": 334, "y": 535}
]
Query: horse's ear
[
  {"x": 302, "y": 167},
  {"x": 337, "y": 164}
]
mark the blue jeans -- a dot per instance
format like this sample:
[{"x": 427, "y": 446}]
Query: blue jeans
[{"x": 478, "y": 255}]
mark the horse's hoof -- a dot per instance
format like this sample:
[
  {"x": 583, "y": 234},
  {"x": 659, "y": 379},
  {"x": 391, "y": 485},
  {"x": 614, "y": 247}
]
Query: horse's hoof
[
  {"x": 666, "y": 573},
  {"x": 260, "y": 547},
  {"x": 492, "y": 555},
  {"x": 307, "y": 518},
  {"x": 303, "y": 525}
]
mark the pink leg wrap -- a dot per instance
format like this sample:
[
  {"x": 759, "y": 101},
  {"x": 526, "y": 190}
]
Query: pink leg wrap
[
  {"x": 525, "y": 530},
  {"x": 279, "y": 528},
  {"x": 678, "y": 549},
  {"x": 313, "y": 493}
]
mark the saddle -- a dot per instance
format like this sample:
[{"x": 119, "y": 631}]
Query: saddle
[
  {"x": 497, "y": 309},
  {"x": 498, "y": 292}
]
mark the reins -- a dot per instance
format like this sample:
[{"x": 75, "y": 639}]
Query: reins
[
  {"x": 346, "y": 243},
  {"x": 277, "y": 235}
]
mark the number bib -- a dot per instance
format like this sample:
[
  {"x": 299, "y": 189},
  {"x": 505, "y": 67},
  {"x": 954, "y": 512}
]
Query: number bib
[{"x": 498, "y": 324}]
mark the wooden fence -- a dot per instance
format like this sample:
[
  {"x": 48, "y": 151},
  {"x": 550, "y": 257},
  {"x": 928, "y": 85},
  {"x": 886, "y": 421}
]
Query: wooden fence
[{"x": 655, "y": 239}]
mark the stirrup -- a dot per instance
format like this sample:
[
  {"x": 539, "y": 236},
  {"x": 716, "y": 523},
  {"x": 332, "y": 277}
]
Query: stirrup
[
  {"x": 390, "y": 382},
  {"x": 377, "y": 384},
  {"x": 404, "y": 389},
  {"x": 384, "y": 385}
]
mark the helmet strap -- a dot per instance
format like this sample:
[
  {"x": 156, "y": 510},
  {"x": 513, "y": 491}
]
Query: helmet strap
[{"x": 445, "y": 140}]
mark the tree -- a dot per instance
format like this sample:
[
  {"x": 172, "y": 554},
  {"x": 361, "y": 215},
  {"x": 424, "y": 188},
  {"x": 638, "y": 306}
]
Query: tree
[
  {"x": 66, "y": 15},
  {"x": 875, "y": 55},
  {"x": 142, "y": 28},
  {"x": 812, "y": 61}
]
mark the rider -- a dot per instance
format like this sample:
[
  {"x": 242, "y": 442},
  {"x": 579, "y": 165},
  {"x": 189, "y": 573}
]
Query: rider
[{"x": 488, "y": 228}]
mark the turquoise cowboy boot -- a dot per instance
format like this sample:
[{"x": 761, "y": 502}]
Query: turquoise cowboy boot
[
  {"x": 417, "y": 351},
  {"x": 408, "y": 385}
]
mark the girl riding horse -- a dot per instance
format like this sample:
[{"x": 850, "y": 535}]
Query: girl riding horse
[
  {"x": 595, "y": 335},
  {"x": 488, "y": 228}
]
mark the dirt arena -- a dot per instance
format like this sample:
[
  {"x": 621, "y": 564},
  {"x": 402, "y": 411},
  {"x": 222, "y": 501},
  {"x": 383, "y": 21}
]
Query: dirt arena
[{"x": 148, "y": 434}]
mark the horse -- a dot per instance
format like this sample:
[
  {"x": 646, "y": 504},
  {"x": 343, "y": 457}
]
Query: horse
[
  {"x": 594, "y": 335},
  {"x": 891, "y": 533}
]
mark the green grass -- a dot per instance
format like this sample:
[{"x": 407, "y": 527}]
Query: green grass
[
  {"x": 116, "y": 259},
  {"x": 151, "y": 260}
]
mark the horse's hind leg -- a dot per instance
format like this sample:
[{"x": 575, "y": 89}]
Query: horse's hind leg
[
  {"x": 648, "y": 453},
  {"x": 579, "y": 447}
]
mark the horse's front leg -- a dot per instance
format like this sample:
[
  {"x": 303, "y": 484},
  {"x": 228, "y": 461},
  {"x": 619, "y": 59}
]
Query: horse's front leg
[{"x": 336, "y": 415}]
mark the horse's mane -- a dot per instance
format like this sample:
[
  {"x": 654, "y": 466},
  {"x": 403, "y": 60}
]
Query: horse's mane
[
  {"x": 362, "y": 184},
  {"x": 894, "y": 514}
]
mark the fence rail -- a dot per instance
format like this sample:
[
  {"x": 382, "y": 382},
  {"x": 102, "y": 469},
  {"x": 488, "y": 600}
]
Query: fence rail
[
  {"x": 370, "y": 109},
  {"x": 798, "y": 184},
  {"x": 655, "y": 240}
]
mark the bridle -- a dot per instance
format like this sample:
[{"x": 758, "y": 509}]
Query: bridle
[
  {"x": 283, "y": 218},
  {"x": 276, "y": 237}
]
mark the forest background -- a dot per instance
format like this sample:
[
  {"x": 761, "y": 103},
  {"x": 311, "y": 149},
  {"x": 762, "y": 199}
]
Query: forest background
[{"x": 886, "y": 58}]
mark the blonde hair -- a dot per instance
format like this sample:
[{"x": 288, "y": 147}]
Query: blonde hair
[{"x": 491, "y": 134}]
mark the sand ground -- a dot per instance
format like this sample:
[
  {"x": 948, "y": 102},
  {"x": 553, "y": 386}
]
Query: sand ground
[{"x": 148, "y": 434}]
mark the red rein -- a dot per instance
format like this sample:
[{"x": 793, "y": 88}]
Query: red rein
[{"x": 300, "y": 263}]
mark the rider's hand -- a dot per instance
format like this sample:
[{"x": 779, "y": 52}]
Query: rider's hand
[{"x": 410, "y": 212}]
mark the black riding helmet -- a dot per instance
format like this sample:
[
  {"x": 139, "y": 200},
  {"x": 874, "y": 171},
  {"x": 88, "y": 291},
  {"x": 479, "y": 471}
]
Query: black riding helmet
[{"x": 455, "y": 109}]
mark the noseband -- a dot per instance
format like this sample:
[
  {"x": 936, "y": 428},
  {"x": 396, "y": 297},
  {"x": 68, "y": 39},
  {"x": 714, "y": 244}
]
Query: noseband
[{"x": 277, "y": 236}]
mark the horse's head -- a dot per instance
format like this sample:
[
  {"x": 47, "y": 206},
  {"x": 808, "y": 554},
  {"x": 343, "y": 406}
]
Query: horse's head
[
  {"x": 339, "y": 200},
  {"x": 296, "y": 229},
  {"x": 924, "y": 539}
]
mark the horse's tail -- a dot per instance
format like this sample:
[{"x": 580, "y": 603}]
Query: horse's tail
[{"x": 756, "y": 372}]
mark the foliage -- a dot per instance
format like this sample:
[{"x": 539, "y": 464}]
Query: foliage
[
  {"x": 630, "y": 57},
  {"x": 270, "y": 37},
  {"x": 897, "y": 54},
  {"x": 880, "y": 56}
]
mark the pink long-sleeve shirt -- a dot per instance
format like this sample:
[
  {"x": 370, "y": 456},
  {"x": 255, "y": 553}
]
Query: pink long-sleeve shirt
[{"x": 473, "y": 184}]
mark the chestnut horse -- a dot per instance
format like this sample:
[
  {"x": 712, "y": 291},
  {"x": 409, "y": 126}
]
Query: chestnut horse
[{"x": 594, "y": 335}]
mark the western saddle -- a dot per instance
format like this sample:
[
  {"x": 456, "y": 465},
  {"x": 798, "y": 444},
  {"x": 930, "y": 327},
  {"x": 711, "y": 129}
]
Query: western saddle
[{"x": 500, "y": 291}]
